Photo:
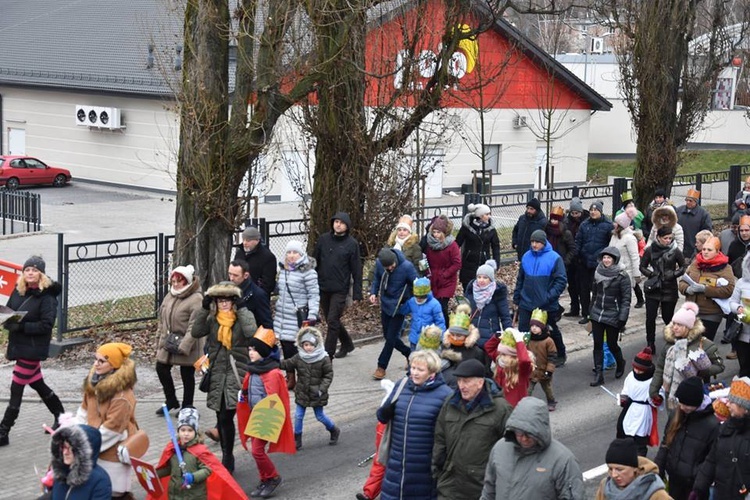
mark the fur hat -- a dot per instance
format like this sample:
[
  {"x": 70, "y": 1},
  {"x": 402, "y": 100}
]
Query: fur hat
[
  {"x": 421, "y": 287},
  {"x": 387, "y": 257},
  {"x": 539, "y": 318},
  {"x": 263, "y": 341},
  {"x": 487, "y": 269},
  {"x": 115, "y": 353},
  {"x": 690, "y": 391},
  {"x": 622, "y": 452},
  {"x": 739, "y": 392},
  {"x": 693, "y": 194},
  {"x": 557, "y": 213},
  {"x": 469, "y": 368},
  {"x": 224, "y": 289},
  {"x": 443, "y": 224},
  {"x": 576, "y": 205},
  {"x": 295, "y": 246},
  {"x": 597, "y": 205},
  {"x": 186, "y": 272},
  {"x": 430, "y": 338},
  {"x": 188, "y": 416},
  {"x": 251, "y": 233},
  {"x": 686, "y": 314},
  {"x": 643, "y": 359},
  {"x": 479, "y": 209},
  {"x": 36, "y": 262},
  {"x": 534, "y": 203},
  {"x": 540, "y": 236}
]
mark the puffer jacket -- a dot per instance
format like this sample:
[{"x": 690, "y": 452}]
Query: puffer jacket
[
  {"x": 705, "y": 300},
  {"x": 647, "y": 485},
  {"x": 297, "y": 288},
  {"x": 669, "y": 264},
  {"x": 696, "y": 341},
  {"x": 394, "y": 288},
  {"x": 592, "y": 237},
  {"x": 85, "y": 479},
  {"x": 463, "y": 441},
  {"x": 610, "y": 299},
  {"x": 422, "y": 315},
  {"x": 549, "y": 471},
  {"x": 494, "y": 316},
  {"x": 478, "y": 244},
  {"x": 727, "y": 465},
  {"x": 32, "y": 340},
  {"x": 223, "y": 380},
  {"x": 667, "y": 213},
  {"x": 313, "y": 378},
  {"x": 521, "y": 237},
  {"x": 627, "y": 245},
  {"x": 339, "y": 261},
  {"x": 683, "y": 456},
  {"x": 541, "y": 280},
  {"x": 174, "y": 317},
  {"x": 408, "y": 472}
]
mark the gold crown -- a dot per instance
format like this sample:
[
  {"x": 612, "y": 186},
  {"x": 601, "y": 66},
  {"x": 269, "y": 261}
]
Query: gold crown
[
  {"x": 539, "y": 315},
  {"x": 459, "y": 322}
]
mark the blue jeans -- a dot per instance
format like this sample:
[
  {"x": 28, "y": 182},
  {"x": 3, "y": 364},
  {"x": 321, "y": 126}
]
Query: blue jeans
[
  {"x": 392, "y": 326},
  {"x": 299, "y": 417},
  {"x": 524, "y": 318}
]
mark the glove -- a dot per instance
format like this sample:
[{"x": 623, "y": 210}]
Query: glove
[
  {"x": 241, "y": 396},
  {"x": 14, "y": 327},
  {"x": 187, "y": 479},
  {"x": 207, "y": 302},
  {"x": 694, "y": 289},
  {"x": 657, "y": 400},
  {"x": 722, "y": 282},
  {"x": 622, "y": 399},
  {"x": 621, "y": 324},
  {"x": 123, "y": 455},
  {"x": 517, "y": 335},
  {"x": 309, "y": 322},
  {"x": 387, "y": 412}
]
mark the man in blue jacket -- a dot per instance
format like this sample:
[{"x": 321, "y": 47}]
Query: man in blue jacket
[
  {"x": 541, "y": 280},
  {"x": 394, "y": 275},
  {"x": 592, "y": 237}
]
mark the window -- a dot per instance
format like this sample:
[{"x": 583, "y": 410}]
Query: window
[
  {"x": 34, "y": 163},
  {"x": 492, "y": 157}
]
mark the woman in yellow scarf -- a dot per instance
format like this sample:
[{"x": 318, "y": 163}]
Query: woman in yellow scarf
[{"x": 228, "y": 330}]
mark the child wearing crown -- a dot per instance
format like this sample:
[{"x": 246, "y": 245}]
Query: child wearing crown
[
  {"x": 513, "y": 364},
  {"x": 424, "y": 309},
  {"x": 543, "y": 348}
]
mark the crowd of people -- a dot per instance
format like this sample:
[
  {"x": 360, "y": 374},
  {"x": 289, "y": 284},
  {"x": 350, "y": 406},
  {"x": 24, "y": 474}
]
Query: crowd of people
[{"x": 463, "y": 422}]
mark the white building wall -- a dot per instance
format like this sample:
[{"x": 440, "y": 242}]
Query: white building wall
[{"x": 142, "y": 154}]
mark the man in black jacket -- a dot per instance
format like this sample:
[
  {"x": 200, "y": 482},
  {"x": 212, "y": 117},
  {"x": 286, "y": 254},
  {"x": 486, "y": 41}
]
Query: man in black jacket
[
  {"x": 338, "y": 264},
  {"x": 261, "y": 262},
  {"x": 254, "y": 298}
]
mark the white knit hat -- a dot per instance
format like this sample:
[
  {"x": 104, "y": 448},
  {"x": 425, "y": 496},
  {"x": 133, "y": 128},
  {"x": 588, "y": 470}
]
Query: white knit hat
[{"x": 186, "y": 272}]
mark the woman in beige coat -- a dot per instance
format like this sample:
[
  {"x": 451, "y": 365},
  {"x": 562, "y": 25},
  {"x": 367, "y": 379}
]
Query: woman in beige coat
[{"x": 176, "y": 346}]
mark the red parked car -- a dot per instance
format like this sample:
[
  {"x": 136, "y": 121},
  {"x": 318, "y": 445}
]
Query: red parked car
[{"x": 24, "y": 170}]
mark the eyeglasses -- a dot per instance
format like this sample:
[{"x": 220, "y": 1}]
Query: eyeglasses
[
  {"x": 223, "y": 299},
  {"x": 100, "y": 361}
]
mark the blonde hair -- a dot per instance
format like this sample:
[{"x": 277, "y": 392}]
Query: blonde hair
[
  {"x": 703, "y": 236},
  {"x": 21, "y": 285},
  {"x": 511, "y": 368},
  {"x": 428, "y": 357}
]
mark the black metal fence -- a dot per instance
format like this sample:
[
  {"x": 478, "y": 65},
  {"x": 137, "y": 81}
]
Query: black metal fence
[{"x": 20, "y": 211}]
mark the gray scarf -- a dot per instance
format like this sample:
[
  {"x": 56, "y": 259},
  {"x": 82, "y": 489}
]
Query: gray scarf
[
  {"x": 642, "y": 487},
  {"x": 312, "y": 357},
  {"x": 435, "y": 244},
  {"x": 606, "y": 274}
]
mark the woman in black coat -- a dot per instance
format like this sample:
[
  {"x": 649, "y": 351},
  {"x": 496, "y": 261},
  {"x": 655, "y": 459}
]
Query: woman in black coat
[
  {"x": 662, "y": 264},
  {"x": 29, "y": 339},
  {"x": 688, "y": 437},
  {"x": 478, "y": 241}
]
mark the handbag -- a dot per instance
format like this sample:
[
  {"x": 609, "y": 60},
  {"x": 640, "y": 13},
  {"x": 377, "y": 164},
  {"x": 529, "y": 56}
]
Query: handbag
[
  {"x": 302, "y": 312},
  {"x": 732, "y": 332},
  {"x": 205, "y": 383},
  {"x": 653, "y": 284},
  {"x": 172, "y": 343},
  {"x": 385, "y": 442}
]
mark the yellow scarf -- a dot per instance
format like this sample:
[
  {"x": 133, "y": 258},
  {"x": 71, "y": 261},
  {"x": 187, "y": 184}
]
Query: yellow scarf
[{"x": 226, "y": 320}]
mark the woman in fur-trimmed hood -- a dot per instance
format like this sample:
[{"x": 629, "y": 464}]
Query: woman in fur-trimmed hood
[
  {"x": 109, "y": 405},
  {"x": 666, "y": 216},
  {"x": 78, "y": 476}
]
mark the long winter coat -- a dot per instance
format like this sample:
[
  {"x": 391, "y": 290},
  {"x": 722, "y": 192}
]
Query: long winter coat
[
  {"x": 463, "y": 441},
  {"x": 692, "y": 222},
  {"x": 84, "y": 479},
  {"x": 647, "y": 485},
  {"x": 695, "y": 340},
  {"x": 736, "y": 251},
  {"x": 682, "y": 458},
  {"x": 313, "y": 379},
  {"x": 705, "y": 300},
  {"x": 261, "y": 263},
  {"x": 339, "y": 261},
  {"x": 563, "y": 242},
  {"x": 32, "y": 340},
  {"x": 610, "y": 299},
  {"x": 444, "y": 267},
  {"x": 666, "y": 262},
  {"x": 174, "y": 317},
  {"x": 393, "y": 287},
  {"x": 408, "y": 470},
  {"x": 548, "y": 471},
  {"x": 627, "y": 245},
  {"x": 297, "y": 288},
  {"x": 541, "y": 280},
  {"x": 494, "y": 316},
  {"x": 728, "y": 463},
  {"x": 478, "y": 244},
  {"x": 521, "y": 237},
  {"x": 422, "y": 315},
  {"x": 592, "y": 238},
  {"x": 667, "y": 212},
  {"x": 223, "y": 380}
]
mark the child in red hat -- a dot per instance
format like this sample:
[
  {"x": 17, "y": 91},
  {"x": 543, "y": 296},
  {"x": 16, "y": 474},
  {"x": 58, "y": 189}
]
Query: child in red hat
[{"x": 638, "y": 416}]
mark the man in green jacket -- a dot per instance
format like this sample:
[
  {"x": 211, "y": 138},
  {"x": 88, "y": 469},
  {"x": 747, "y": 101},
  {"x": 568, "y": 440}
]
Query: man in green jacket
[{"x": 468, "y": 425}]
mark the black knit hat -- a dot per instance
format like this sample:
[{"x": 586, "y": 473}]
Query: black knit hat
[
  {"x": 36, "y": 262},
  {"x": 387, "y": 257},
  {"x": 622, "y": 452},
  {"x": 643, "y": 359},
  {"x": 534, "y": 203},
  {"x": 690, "y": 392}
]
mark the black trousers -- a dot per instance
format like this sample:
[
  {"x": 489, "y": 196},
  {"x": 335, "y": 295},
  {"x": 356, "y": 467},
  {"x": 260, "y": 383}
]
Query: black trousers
[
  {"x": 444, "y": 306},
  {"x": 585, "y": 284},
  {"x": 573, "y": 288},
  {"x": 743, "y": 356},
  {"x": 613, "y": 334},
  {"x": 187, "y": 374},
  {"x": 652, "y": 311},
  {"x": 225, "y": 419},
  {"x": 16, "y": 392},
  {"x": 333, "y": 306},
  {"x": 711, "y": 328}
]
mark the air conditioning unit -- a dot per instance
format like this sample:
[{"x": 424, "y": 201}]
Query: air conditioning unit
[
  {"x": 99, "y": 117},
  {"x": 519, "y": 121},
  {"x": 597, "y": 45}
]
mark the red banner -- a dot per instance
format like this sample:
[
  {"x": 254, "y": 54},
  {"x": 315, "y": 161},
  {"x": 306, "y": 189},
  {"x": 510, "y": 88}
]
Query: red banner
[{"x": 146, "y": 475}]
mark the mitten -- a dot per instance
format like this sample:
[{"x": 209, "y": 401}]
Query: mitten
[
  {"x": 387, "y": 412},
  {"x": 187, "y": 479},
  {"x": 207, "y": 302},
  {"x": 123, "y": 455},
  {"x": 694, "y": 289},
  {"x": 657, "y": 400},
  {"x": 722, "y": 282}
]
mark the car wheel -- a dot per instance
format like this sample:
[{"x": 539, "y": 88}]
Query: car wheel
[
  {"x": 11, "y": 183},
  {"x": 59, "y": 181}
]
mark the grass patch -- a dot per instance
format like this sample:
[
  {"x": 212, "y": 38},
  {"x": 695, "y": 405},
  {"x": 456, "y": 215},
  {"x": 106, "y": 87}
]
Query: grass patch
[
  {"x": 692, "y": 162},
  {"x": 111, "y": 311}
]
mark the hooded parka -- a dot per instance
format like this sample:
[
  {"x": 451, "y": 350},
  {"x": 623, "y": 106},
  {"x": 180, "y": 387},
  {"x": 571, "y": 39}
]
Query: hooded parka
[
  {"x": 667, "y": 213},
  {"x": 313, "y": 379},
  {"x": 478, "y": 243},
  {"x": 727, "y": 465},
  {"x": 84, "y": 479},
  {"x": 174, "y": 317},
  {"x": 338, "y": 259}
]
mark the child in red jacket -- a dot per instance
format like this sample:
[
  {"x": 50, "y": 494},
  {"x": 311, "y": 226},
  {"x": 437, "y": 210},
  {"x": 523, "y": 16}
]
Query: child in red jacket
[{"x": 513, "y": 364}]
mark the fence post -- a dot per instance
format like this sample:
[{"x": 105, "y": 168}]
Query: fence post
[
  {"x": 575, "y": 192},
  {"x": 619, "y": 186},
  {"x": 161, "y": 271},
  {"x": 62, "y": 304},
  {"x": 470, "y": 198},
  {"x": 734, "y": 184},
  {"x": 699, "y": 186}
]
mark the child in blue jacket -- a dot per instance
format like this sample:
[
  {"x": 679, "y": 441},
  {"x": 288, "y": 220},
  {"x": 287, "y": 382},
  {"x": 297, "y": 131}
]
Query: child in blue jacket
[{"x": 424, "y": 309}]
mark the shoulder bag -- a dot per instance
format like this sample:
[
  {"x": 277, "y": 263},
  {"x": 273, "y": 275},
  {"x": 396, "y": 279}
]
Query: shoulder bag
[{"x": 302, "y": 312}]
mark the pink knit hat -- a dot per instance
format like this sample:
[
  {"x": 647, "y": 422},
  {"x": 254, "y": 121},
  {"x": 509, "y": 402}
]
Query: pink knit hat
[
  {"x": 686, "y": 315},
  {"x": 623, "y": 220}
]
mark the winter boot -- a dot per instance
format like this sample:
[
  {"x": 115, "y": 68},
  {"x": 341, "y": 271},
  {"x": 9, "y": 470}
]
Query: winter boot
[
  {"x": 620, "y": 370},
  {"x": 11, "y": 414},
  {"x": 335, "y": 433},
  {"x": 598, "y": 365},
  {"x": 55, "y": 407},
  {"x": 298, "y": 440}
]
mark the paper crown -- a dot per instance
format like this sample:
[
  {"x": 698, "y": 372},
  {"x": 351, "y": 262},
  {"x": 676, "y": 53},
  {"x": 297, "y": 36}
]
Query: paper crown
[
  {"x": 557, "y": 212},
  {"x": 508, "y": 339},
  {"x": 626, "y": 196},
  {"x": 421, "y": 287},
  {"x": 459, "y": 323},
  {"x": 266, "y": 336},
  {"x": 430, "y": 338},
  {"x": 539, "y": 315},
  {"x": 692, "y": 193}
]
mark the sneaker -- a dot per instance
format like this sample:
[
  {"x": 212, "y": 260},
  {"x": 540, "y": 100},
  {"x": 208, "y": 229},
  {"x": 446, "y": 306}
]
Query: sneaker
[
  {"x": 732, "y": 355},
  {"x": 379, "y": 374},
  {"x": 335, "y": 433},
  {"x": 583, "y": 321},
  {"x": 551, "y": 406},
  {"x": 269, "y": 487},
  {"x": 258, "y": 489}
]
